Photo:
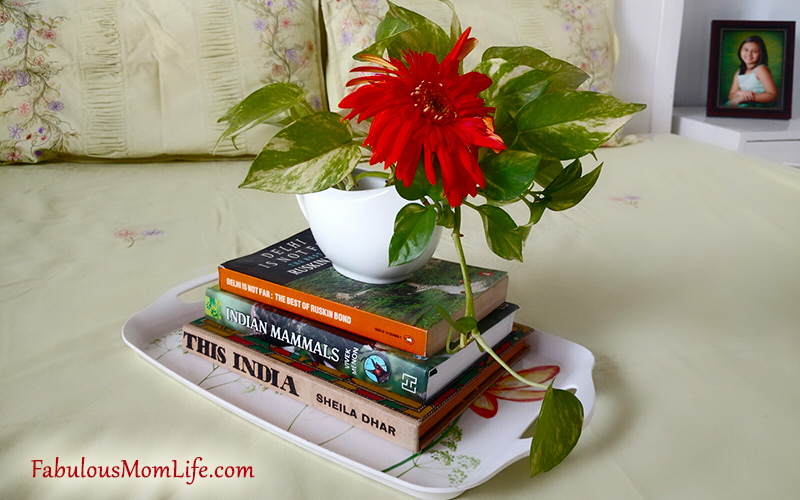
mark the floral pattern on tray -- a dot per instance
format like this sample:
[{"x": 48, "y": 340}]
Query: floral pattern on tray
[{"x": 510, "y": 389}]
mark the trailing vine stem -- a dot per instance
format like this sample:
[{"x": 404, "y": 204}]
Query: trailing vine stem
[{"x": 470, "y": 309}]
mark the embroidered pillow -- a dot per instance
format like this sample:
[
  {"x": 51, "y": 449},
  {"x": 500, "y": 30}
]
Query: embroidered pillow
[
  {"x": 145, "y": 78},
  {"x": 579, "y": 31}
]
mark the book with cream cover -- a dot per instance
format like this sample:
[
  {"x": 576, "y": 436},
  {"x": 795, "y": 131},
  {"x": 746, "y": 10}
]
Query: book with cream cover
[{"x": 400, "y": 420}]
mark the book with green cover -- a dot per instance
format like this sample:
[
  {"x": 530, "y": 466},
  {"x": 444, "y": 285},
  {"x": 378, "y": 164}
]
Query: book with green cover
[
  {"x": 417, "y": 378},
  {"x": 295, "y": 275}
]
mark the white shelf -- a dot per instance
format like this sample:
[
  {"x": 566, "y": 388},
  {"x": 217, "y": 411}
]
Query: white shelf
[{"x": 777, "y": 140}]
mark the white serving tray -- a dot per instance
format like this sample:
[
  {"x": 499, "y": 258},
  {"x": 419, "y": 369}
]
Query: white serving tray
[{"x": 484, "y": 448}]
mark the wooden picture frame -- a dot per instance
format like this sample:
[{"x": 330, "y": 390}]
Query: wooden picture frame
[{"x": 750, "y": 69}]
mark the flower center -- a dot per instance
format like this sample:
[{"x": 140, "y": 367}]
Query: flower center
[{"x": 432, "y": 100}]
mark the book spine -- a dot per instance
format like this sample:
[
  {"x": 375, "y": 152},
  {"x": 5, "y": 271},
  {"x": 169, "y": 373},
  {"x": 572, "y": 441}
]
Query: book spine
[
  {"x": 344, "y": 352},
  {"x": 372, "y": 326},
  {"x": 292, "y": 381}
]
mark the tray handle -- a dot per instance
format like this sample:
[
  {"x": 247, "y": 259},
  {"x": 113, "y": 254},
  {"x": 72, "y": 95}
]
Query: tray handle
[
  {"x": 168, "y": 311},
  {"x": 175, "y": 292}
]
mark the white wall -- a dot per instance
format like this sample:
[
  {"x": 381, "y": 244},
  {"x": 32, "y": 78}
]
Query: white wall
[{"x": 691, "y": 84}]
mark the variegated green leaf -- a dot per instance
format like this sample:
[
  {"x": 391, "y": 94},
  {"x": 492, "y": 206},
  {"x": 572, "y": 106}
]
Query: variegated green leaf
[
  {"x": 508, "y": 174},
  {"x": 445, "y": 216},
  {"x": 505, "y": 126},
  {"x": 389, "y": 28},
  {"x": 387, "y": 33},
  {"x": 501, "y": 232},
  {"x": 557, "y": 430},
  {"x": 310, "y": 155},
  {"x": 425, "y": 35},
  {"x": 260, "y": 106},
  {"x": 536, "y": 210},
  {"x": 548, "y": 169},
  {"x": 455, "y": 23},
  {"x": 571, "y": 124},
  {"x": 563, "y": 75},
  {"x": 567, "y": 175},
  {"x": 413, "y": 230},
  {"x": 573, "y": 193},
  {"x": 512, "y": 84}
]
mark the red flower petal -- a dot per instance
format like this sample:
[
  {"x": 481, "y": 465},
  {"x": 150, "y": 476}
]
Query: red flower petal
[
  {"x": 485, "y": 406},
  {"x": 508, "y": 387},
  {"x": 425, "y": 109}
]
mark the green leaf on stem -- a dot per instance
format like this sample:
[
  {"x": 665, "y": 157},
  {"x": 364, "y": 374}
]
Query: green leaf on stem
[
  {"x": 502, "y": 235},
  {"x": 513, "y": 85},
  {"x": 567, "y": 175},
  {"x": 413, "y": 230},
  {"x": 536, "y": 210},
  {"x": 263, "y": 104},
  {"x": 426, "y": 36},
  {"x": 389, "y": 28},
  {"x": 507, "y": 77},
  {"x": 563, "y": 75},
  {"x": 569, "y": 124},
  {"x": 557, "y": 430},
  {"x": 463, "y": 325},
  {"x": 420, "y": 186},
  {"x": 549, "y": 168},
  {"x": 505, "y": 126},
  {"x": 445, "y": 216},
  {"x": 573, "y": 193},
  {"x": 422, "y": 35},
  {"x": 514, "y": 101},
  {"x": 508, "y": 174},
  {"x": 455, "y": 23},
  {"x": 310, "y": 155},
  {"x": 386, "y": 34}
]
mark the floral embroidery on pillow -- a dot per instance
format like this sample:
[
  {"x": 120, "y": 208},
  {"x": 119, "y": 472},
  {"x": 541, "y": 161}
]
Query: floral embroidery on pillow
[
  {"x": 590, "y": 48},
  {"x": 30, "y": 102},
  {"x": 362, "y": 13},
  {"x": 286, "y": 59},
  {"x": 356, "y": 31}
]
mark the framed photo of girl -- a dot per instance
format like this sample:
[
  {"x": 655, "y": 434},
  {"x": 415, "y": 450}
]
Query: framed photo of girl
[{"x": 750, "y": 69}]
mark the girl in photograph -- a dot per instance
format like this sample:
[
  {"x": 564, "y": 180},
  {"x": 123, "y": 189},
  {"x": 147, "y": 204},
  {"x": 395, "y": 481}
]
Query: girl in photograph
[{"x": 752, "y": 84}]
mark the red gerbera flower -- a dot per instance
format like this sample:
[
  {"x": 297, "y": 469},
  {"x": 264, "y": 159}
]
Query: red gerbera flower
[{"x": 424, "y": 108}]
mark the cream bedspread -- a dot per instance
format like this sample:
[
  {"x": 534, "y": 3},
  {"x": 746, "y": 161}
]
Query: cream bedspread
[{"x": 680, "y": 271}]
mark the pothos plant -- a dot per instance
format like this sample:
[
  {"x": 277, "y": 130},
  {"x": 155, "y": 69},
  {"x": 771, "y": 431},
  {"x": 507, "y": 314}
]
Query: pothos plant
[{"x": 512, "y": 130}]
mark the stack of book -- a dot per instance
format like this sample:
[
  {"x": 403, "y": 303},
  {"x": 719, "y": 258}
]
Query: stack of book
[{"x": 372, "y": 355}]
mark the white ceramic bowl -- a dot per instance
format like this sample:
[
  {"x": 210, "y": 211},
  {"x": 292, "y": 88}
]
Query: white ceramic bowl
[{"x": 354, "y": 228}]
